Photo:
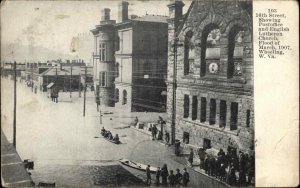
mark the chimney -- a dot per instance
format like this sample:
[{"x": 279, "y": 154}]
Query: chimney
[
  {"x": 123, "y": 11},
  {"x": 175, "y": 11},
  {"x": 105, "y": 14}
]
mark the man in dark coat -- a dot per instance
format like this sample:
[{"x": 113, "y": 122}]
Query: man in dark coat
[
  {"x": 171, "y": 179},
  {"x": 185, "y": 177},
  {"x": 157, "y": 175},
  {"x": 206, "y": 164},
  {"x": 167, "y": 137},
  {"x": 148, "y": 175},
  {"x": 191, "y": 157},
  {"x": 201, "y": 154},
  {"x": 178, "y": 178},
  {"x": 164, "y": 175},
  {"x": 154, "y": 131}
]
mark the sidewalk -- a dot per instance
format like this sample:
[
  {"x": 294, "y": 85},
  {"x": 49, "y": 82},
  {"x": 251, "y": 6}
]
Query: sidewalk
[
  {"x": 13, "y": 172},
  {"x": 183, "y": 158}
]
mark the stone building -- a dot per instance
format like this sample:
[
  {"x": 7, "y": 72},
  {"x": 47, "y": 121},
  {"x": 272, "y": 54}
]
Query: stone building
[
  {"x": 130, "y": 61},
  {"x": 211, "y": 48}
]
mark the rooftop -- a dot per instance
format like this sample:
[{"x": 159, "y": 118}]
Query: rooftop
[{"x": 152, "y": 18}]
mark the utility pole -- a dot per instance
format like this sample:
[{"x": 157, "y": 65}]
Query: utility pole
[
  {"x": 31, "y": 77},
  {"x": 84, "y": 90},
  {"x": 100, "y": 117},
  {"x": 174, "y": 90},
  {"x": 79, "y": 87},
  {"x": 15, "y": 106},
  {"x": 71, "y": 82}
]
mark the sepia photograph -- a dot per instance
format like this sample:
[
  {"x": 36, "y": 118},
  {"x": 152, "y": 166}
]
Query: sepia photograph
[{"x": 127, "y": 93}]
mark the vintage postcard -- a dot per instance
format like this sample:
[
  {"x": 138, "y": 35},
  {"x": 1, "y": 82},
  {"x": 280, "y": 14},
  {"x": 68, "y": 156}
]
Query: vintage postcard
[{"x": 138, "y": 93}]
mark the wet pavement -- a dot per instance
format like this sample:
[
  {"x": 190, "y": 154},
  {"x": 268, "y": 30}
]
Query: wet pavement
[{"x": 66, "y": 147}]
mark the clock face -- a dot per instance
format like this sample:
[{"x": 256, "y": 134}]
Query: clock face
[{"x": 213, "y": 68}]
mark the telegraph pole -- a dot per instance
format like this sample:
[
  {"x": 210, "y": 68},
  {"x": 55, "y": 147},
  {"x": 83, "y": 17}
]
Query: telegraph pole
[
  {"x": 100, "y": 117},
  {"x": 71, "y": 82},
  {"x": 15, "y": 105},
  {"x": 79, "y": 87},
  {"x": 31, "y": 77},
  {"x": 174, "y": 90},
  {"x": 84, "y": 90}
]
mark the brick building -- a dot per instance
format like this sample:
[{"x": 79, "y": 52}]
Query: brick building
[
  {"x": 211, "y": 48},
  {"x": 130, "y": 61}
]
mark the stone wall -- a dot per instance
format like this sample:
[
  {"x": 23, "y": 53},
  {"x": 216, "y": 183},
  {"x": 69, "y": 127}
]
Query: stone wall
[{"x": 236, "y": 92}]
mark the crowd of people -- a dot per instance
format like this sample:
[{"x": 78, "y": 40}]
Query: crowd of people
[
  {"x": 165, "y": 178},
  {"x": 107, "y": 134},
  {"x": 236, "y": 170}
]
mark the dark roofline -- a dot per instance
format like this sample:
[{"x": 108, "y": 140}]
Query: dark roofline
[{"x": 185, "y": 17}]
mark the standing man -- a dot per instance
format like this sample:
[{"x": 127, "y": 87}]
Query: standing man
[
  {"x": 167, "y": 137},
  {"x": 191, "y": 157},
  {"x": 157, "y": 175},
  {"x": 178, "y": 178},
  {"x": 201, "y": 154},
  {"x": 148, "y": 175},
  {"x": 154, "y": 132},
  {"x": 164, "y": 175},
  {"x": 185, "y": 177},
  {"x": 171, "y": 179}
]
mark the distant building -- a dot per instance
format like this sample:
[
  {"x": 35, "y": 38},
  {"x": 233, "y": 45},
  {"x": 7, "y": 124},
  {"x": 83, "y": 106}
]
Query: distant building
[
  {"x": 212, "y": 48},
  {"x": 65, "y": 76},
  {"x": 130, "y": 61},
  {"x": 7, "y": 68}
]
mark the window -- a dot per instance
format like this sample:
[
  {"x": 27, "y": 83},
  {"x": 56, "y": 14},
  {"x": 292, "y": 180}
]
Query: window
[
  {"x": 186, "y": 106},
  {"x": 206, "y": 143},
  {"x": 210, "y": 39},
  {"x": 102, "y": 51},
  {"x": 188, "y": 52},
  {"x": 117, "y": 95},
  {"x": 194, "y": 108},
  {"x": 248, "y": 118},
  {"x": 203, "y": 110},
  {"x": 103, "y": 79},
  {"x": 186, "y": 137},
  {"x": 235, "y": 51},
  {"x": 212, "y": 115},
  {"x": 124, "y": 97},
  {"x": 234, "y": 116},
  {"x": 223, "y": 110}
]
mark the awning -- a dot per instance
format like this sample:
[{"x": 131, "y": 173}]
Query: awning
[{"x": 50, "y": 85}]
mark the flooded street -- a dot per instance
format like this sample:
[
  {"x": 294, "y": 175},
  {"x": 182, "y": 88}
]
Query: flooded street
[{"x": 67, "y": 148}]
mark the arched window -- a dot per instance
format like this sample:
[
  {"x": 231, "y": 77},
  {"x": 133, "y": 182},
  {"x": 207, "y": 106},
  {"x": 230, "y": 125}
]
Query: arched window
[
  {"x": 235, "y": 51},
  {"x": 124, "y": 97},
  {"x": 188, "y": 53},
  {"x": 210, "y": 40},
  {"x": 116, "y": 95}
]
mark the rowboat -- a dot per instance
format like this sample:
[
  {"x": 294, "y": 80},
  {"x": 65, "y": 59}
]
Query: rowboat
[
  {"x": 136, "y": 165},
  {"x": 112, "y": 141}
]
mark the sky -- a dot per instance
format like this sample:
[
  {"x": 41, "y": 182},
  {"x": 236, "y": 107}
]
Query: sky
[{"x": 52, "y": 24}]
